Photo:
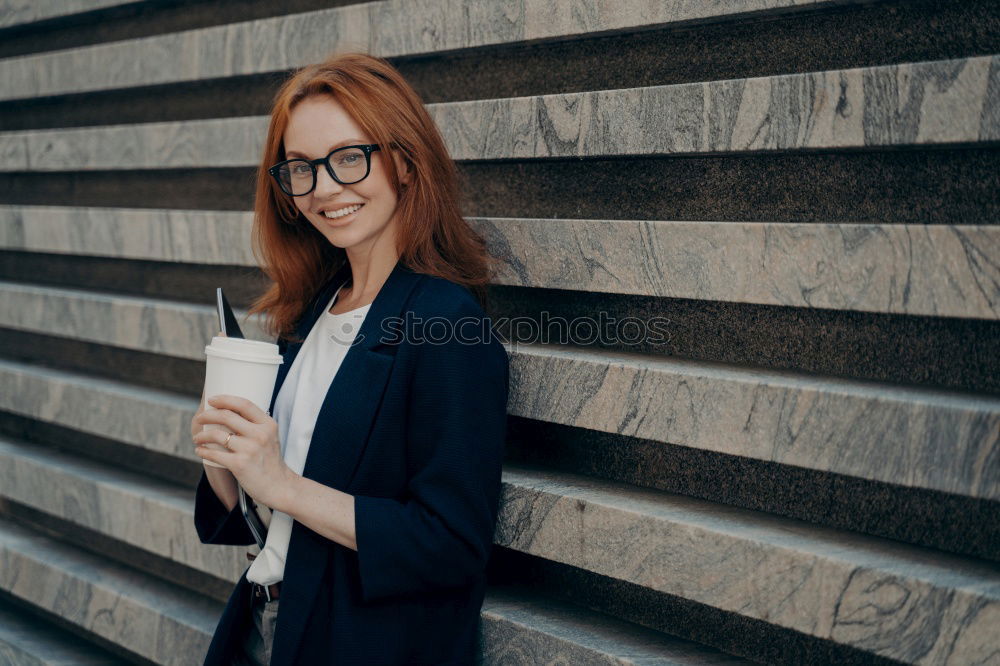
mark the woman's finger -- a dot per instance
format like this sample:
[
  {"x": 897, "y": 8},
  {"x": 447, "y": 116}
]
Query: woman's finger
[
  {"x": 224, "y": 417},
  {"x": 217, "y": 437},
  {"x": 214, "y": 455},
  {"x": 245, "y": 408}
]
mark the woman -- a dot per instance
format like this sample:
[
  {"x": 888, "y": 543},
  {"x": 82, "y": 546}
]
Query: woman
[{"x": 382, "y": 461}]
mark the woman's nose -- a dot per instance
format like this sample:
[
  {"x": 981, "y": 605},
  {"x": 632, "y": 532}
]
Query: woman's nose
[{"x": 325, "y": 184}]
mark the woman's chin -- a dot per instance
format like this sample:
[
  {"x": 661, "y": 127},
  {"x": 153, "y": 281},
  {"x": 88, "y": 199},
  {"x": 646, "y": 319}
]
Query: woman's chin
[{"x": 343, "y": 237}]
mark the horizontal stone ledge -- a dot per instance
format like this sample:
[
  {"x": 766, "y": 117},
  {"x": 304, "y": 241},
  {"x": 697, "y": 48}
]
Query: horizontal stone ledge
[
  {"x": 144, "y": 512},
  {"x": 668, "y": 543},
  {"x": 129, "y": 322},
  {"x": 26, "y": 640},
  {"x": 158, "y": 517},
  {"x": 932, "y": 270},
  {"x": 142, "y": 417},
  {"x": 815, "y": 580},
  {"x": 915, "y": 438},
  {"x": 143, "y": 234},
  {"x": 19, "y": 13},
  {"x": 937, "y": 103},
  {"x": 133, "y": 610},
  {"x": 105, "y": 598},
  {"x": 910, "y": 437},
  {"x": 386, "y": 29},
  {"x": 519, "y": 628}
]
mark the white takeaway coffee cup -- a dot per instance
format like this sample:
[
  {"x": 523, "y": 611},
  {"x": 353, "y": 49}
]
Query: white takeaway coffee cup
[{"x": 244, "y": 368}]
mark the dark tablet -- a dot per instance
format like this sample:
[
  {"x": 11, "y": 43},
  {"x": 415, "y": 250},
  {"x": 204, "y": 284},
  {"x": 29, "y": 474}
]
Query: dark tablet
[{"x": 228, "y": 325}]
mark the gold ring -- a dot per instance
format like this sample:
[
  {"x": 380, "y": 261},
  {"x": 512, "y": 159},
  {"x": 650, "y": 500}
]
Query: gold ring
[{"x": 226, "y": 443}]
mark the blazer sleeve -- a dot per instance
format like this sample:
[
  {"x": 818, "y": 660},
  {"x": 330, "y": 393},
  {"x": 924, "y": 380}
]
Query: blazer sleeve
[
  {"x": 442, "y": 535},
  {"x": 214, "y": 523}
]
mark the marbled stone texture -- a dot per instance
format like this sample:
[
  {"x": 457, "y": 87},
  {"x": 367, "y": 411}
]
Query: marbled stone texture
[
  {"x": 160, "y": 327},
  {"x": 808, "y": 578},
  {"x": 909, "y": 437},
  {"x": 215, "y": 142},
  {"x": 938, "y": 270},
  {"x": 562, "y": 634},
  {"x": 158, "y": 517},
  {"x": 18, "y": 12},
  {"x": 885, "y": 599},
  {"x": 387, "y": 29},
  {"x": 923, "y": 103},
  {"x": 28, "y": 641},
  {"x": 153, "y": 618},
  {"x": 143, "y": 512},
  {"x": 146, "y": 616},
  {"x": 877, "y": 595},
  {"x": 925, "y": 439},
  {"x": 914, "y": 104},
  {"x": 183, "y": 236},
  {"x": 153, "y": 420},
  {"x": 434, "y": 26},
  {"x": 261, "y": 45}
]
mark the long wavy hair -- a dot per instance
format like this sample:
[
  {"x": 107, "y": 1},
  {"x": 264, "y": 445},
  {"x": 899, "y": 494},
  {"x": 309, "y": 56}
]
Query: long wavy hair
[{"x": 434, "y": 238}]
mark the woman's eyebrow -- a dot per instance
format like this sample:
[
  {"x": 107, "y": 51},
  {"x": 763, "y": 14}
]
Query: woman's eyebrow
[{"x": 345, "y": 142}]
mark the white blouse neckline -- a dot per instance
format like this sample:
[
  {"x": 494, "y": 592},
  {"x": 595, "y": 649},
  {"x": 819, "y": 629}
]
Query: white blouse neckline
[{"x": 342, "y": 314}]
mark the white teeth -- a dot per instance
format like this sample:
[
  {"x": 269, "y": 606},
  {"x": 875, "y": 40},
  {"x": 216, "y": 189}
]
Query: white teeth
[{"x": 342, "y": 212}]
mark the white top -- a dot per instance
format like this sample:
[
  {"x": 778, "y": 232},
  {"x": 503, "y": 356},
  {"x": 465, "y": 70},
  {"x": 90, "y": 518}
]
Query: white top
[{"x": 295, "y": 410}]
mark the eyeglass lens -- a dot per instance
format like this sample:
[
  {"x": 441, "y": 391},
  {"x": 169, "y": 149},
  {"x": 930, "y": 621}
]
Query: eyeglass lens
[{"x": 349, "y": 165}]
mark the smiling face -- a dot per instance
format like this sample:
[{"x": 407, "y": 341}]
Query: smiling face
[{"x": 317, "y": 125}]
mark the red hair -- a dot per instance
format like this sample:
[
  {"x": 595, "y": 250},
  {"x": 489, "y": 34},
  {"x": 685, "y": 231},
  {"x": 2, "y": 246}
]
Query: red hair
[{"x": 433, "y": 236}]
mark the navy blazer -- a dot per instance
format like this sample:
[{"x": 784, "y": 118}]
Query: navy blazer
[{"x": 415, "y": 430}]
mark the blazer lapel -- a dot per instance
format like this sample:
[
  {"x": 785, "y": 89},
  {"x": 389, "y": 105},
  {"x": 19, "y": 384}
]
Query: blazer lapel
[{"x": 339, "y": 437}]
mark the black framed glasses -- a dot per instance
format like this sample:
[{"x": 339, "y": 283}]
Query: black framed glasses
[{"x": 346, "y": 165}]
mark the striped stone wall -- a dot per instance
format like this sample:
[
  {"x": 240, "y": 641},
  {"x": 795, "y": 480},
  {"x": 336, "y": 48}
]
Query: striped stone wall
[{"x": 805, "y": 468}]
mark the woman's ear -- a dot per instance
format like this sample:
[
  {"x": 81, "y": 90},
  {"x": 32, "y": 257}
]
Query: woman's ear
[{"x": 404, "y": 167}]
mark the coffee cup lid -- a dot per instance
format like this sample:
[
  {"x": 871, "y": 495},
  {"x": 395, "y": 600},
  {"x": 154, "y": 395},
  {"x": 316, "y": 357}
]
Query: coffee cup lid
[{"x": 241, "y": 349}]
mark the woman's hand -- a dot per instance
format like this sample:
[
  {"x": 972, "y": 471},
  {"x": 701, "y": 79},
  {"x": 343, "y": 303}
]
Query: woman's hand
[{"x": 254, "y": 455}]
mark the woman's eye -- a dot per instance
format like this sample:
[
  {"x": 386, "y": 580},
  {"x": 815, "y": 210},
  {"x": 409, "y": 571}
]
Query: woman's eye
[
  {"x": 300, "y": 169},
  {"x": 348, "y": 160}
]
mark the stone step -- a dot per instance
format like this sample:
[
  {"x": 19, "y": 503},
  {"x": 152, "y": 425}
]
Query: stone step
[
  {"x": 824, "y": 583},
  {"x": 20, "y": 13},
  {"x": 785, "y": 572},
  {"x": 133, "y": 610},
  {"x": 32, "y": 27},
  {"x": 135, "y": 509},
  {"x": 142, "y": 614},
  {"x": 925, "y": 351},
  {"x": 869, "y": 34},
  {"x": 158, "y": 517},
  {"x": 26, "y": 640},
  {"x": 214, "y": 237},
  {"x": 385, "y": 29},
  {"x": 910, "y": 437},
  {"x": 922, "y": 186},
  {"x": 785, "y": 113},
  {"x": 522, "y": 628},
  {"x": 130, "y": 322},
  {"x": 934, "y": 270},
  {"x": 145, "y": 418}
]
